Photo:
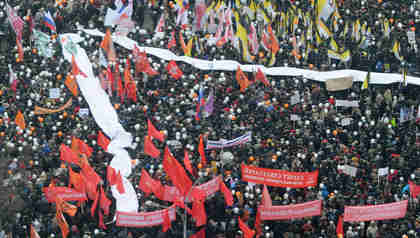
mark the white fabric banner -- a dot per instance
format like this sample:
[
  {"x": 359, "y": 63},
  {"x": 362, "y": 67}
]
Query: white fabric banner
[
  {"x": 100, "y": 105},
  {"x": 230, "y": 65}
]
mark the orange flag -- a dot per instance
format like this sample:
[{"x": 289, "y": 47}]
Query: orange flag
[
  {"x": 202, "y": 152},
  {"x": 102, "y": 141},
  {"x": 20, "y": 49},
  {"x": 76, "y": 180},
  {"x": 34, "y": 234},
  {"x": 74, "y": 144},
  {"x": 248, "y": 233},
  {"x": 242, "y": 79},
  {"x": 66, "y": 207},
  {"x": 108, "y": 46},
  {"x": 274, "y": 42},
  {"x": 71, "y": 85},
  {"x": 62, "y": 223},
  {"x": 339, "y": 229},
  {"x": 260, "y": 76},
  {"x": 20, "y": 120}
]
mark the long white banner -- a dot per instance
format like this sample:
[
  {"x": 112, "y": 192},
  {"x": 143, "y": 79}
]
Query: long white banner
[
  {"x": 230, "y": 65},
  {"x": 107, "y": 119}
]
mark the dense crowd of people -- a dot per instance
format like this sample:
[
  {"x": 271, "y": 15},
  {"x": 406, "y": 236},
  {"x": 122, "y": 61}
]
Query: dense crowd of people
[{"x": 374, "y": 137}]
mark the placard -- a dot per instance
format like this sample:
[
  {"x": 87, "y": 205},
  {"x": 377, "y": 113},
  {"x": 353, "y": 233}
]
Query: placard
[
  {"x": 346, "y": 121},
  {"x": 54, "y": 93},
  {"x": 83, "y": 112},
  {"x": 294, "y": 117},
  {"x": 295, "y": 99},
  {"x": 346, "y": 103}
]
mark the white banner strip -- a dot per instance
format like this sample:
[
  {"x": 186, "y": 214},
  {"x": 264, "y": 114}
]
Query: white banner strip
[
  {"x": 230, "y": 65},
  {"x": 107, "y": 119}
]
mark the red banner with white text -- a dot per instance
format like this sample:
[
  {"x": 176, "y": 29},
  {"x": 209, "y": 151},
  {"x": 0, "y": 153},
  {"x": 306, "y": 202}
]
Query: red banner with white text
[
  {"x": 376, "y": 212},
  {"x": 171, "y": 193},
  {"x": 144, "y": 219},
  {"x": 279, "y": 178},
  {"x": 287, "y": 212},
  {"x": 67, "y": 194}
]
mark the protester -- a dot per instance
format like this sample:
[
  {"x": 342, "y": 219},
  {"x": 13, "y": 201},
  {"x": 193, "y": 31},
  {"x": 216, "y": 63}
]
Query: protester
[{"x": 364, "y": 154}]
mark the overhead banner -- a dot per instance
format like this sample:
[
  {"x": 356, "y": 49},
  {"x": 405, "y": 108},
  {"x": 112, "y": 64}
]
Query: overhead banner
[
  {"x": 376, "y": 212},
  {"x": 211, "y": 144},
  {"x": 144, "y": 219},
  {"x": 307, "y": 209},
  {"x": 279, "y": 178},
  {"x": 65, "y": 193}
]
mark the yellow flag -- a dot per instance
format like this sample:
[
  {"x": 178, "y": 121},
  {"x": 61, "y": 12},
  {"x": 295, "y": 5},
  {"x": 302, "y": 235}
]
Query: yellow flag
[{"x": 366, "y": 82}]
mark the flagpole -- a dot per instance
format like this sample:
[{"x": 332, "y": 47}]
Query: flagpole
[{"x": 186, "y": 206}]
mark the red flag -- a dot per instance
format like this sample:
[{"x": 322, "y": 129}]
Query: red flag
[
  {"x": 174, "y": 70},
  {"x": 146, "y": 182},
  {"x": 108, "y": 46},
  {"x": 66, "y": 154},
  {"x": 84, "y": 148},
  {"x": 104, "y": 202},
  {"x": 120, "y": 89},
  {"x": 414, "y": 189},
  {"x": 176, "y": 172},
  {"x": 257, "y": 224},
  {"x": 248, "y": 233},
  {"x": 132, "y": 91},
  {"x": 202, "y": 152},
  {"x": 166, "y": 221},
  {"x": 120, "y": 185},
  {"x": 339, "y": 229},
  {"x": 94, "y": 205},
  {"x": 34, "y": 234},
  {"x": 199, "y": 213},
  {"x": 91, "y": 179},
  {"x": 227, "y": 193},
  {"x": 172, "y": 42},
  {"x": 200, "y": 234},
  {"x": 102, "y": 141},
  {"x": 187, "y": 162},
  {"x": 260, "y": 76},
  {"x": 142, "y": 63},
  {"x": 101, "y": 221},
  {"x": 127, "y": 75},
  {"x": 153, "y": 132},
  {"x": 266, "y": 199},
  {"x": 76, "y": 180},
  {"x": 274, "y": 42},
  {"x": 20, "y": 120},
  {"x": 150, "y": 149}
]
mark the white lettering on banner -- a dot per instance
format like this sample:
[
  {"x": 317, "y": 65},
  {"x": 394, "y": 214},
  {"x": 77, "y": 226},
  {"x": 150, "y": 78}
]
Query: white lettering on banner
[{"x": 144, "y": 219}]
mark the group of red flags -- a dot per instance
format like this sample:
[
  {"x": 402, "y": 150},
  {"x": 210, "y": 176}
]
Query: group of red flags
[{"x": 244, "y": 82}]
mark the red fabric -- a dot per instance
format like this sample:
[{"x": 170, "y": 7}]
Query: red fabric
[
  {"x": 153, "y": 132},
  {"x": 202, "y": 152},
  {"x": 76, "y": 180},
  {"x": 187, "y": 162},
  {"x": 266, "y": 199},
  {"x": 84, "y": 148},
  {"x": 166, "y": 221},
  {"x": 132, "y": 91},
  {"x": 176, "y": 172},
  {"x": 146, "y": 184},
  {"x": 66, "y": 154},
  {"x": 150, "y": 149},
  {"x": 91, "y": 179},
  {"x": 142, "y": 63},
  {"x": 104, "y": 202},
  {"x": 174, "y": 70},
  {"x": 340, "y": 230},
  {"x": 227, "y": 193},
  {"x": 110, "y": 77},
  {"x": 257, "y": 225},
  {"x": 111, "y": 175},
  {"x": 200, "y": 234},
  {"x": 101, "y": 221},
  {"x": 385, "y": 211},
  {"x": 120, "y": 88},
  {"x": 120, "y": 186},
  {"x": 172, "y": 42},
  {"x": 102, "y": 141},
  {"x": 260, "y": 76},
  {"x": 94, "y": 205},
  {"x": 293, "y": 211},
  {"x": 34, "y": 234},
  {"x": 248, "y": 233},
  {"x": 127, "y": 75},
  {"x": 414, "y": 189},
  {"x": 199, "y": 213}
]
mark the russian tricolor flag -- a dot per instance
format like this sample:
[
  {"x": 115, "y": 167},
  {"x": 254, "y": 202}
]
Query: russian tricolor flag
[
  {"x": 49, "y": 21},
  {"x": 200, "y": 104}
]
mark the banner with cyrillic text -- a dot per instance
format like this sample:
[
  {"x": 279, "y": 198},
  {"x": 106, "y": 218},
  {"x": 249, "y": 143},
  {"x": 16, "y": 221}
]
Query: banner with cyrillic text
[
  {"x": 171, "y": 193},
  {"x": 144, "y": 219},
  {"x": 279, "y": 178},
  {"x": 67, "y": 194},
  {"x": 287, "y": 212},
  {"x": 386, "y": 211}
]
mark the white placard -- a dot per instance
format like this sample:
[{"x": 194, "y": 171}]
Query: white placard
[
  {"x": 383, "y": 171},
  {"x": 346, "y": 103},
  {"x": 346, "y": 121},
  {"x": 295, "y": 99},
  {"x": 294, "y": 117},
  {"x": 212, "y": 28},
  {"x": 83, "y": 112},
  {"x": 349, "y": 170},
  {"x": 174, "y": 143},
  {"x": 54, "y": 93},
  {"x": 411, "y": 37}
]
